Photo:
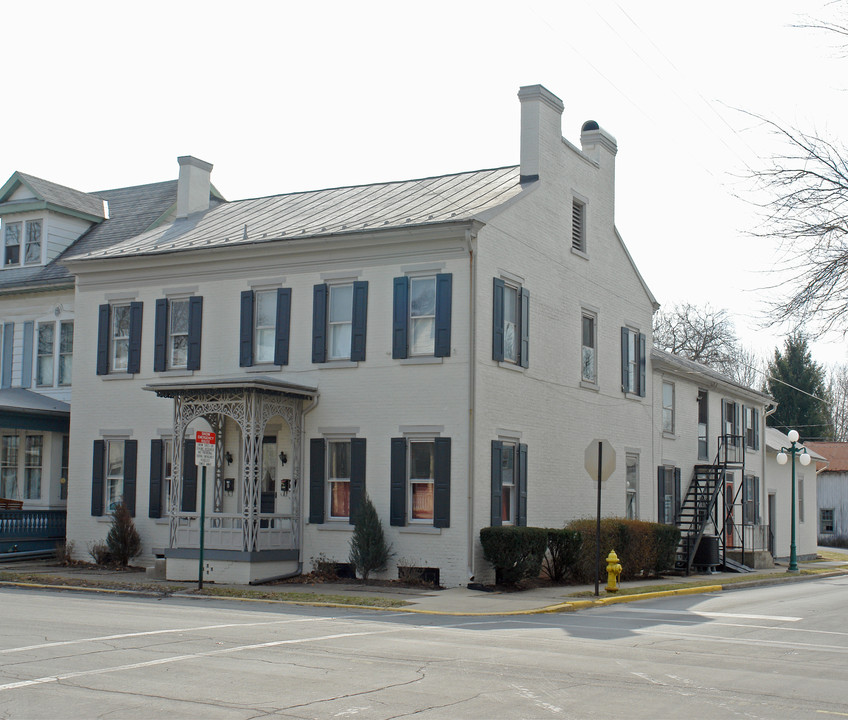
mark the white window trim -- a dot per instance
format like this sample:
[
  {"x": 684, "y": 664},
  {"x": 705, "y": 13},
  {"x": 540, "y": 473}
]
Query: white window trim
[
  {"x": 59, "y": 354},
  {"x": 584, "y": 202},
  {"x": 432, "y": 350},
  {"x": 669, "y": 434},
  {"x": 54, "y": 379},
  {"x": 346, "y": 358},
  {"x": 113, "y": 337},
  {"x": 586, "y": 312},
  {"x": 331, "y": 438},
  {"x": 410, "y": 439}
]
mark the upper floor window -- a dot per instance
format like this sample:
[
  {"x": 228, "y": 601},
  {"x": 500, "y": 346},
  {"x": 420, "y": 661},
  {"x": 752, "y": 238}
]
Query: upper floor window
[
  {"x": 32, "y": 253},
  {"x": 66, "y": 352},
  {"x": 44, "y": 360},
  {"x": 633, "y": 362},
  {"x": 339, "y": 321},
  {"x": 752, "y": 427},
  {"x": 578, "y": 225},
  {"x": 668, "y": 407},
  {"x": 265, "y": 323},
  {"x": 703, "y": 418},
  {"x": 177, "y": 333},
  {"x": 588, "y": 361},
  {"x": 511, "y": 323},
  {"x": 118, "y": 340},
  {"x": 730, "y": 423},
  {"x": 12, "y": 243},
  {"x": 421, "y": 316}
]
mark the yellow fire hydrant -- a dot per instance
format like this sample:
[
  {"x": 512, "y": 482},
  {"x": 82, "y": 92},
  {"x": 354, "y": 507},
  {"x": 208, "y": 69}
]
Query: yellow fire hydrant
[{"x": 613, "y": 572}]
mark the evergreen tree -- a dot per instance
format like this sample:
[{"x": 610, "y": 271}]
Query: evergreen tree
[
  {"x": 798, "y": 385},
  {"x": 123, "y": 540},
  {"x": 368, "y": 549}
]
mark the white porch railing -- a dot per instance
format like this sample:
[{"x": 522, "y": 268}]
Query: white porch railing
[
  {"x": 755, "y": 537},
  {"x": 226, "y": 532}
]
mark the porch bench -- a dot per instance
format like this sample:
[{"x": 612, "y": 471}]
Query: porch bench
[{"x": 8, "y": 504}]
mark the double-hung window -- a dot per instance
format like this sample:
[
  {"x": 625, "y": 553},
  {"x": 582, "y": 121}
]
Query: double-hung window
[
  {"x": 509, "y": 483},
  {"x": 588, "y": 354},
  {"x": 161, "y": 462},
  {"x": 421, "y": 316},
  {"x": 703, "y": 425},
  {"x": 752, "y": 427},
  {"x": 9, "y": 446},
  {"x": 420, "y": 481},
  {"x": 730, "y": 424},
  {"x": 12, "y": 244},
  {"x": 265, "y": 324},
  {"x": 750, "y": 500},
  {"x": 633, "y": 362},
  {"x": 336, "y": 478},
  {"x": 66, "y": 352},
  {"x": 45, "y": 357},
  {"x": 118, "y": 339},
  {"x": 826, "y": 521},
  {"x": 32, "y": 248},
  {"x": 339, "y": 321},
  {"x": 177, "y": 333},
  {"x": 667, "y": 407},
  {"x": 632, "y": 490},
  {"x": 511, "y": 323},
  {"x": 113, "y": 475},
  {"x": 33, "y": 459}
]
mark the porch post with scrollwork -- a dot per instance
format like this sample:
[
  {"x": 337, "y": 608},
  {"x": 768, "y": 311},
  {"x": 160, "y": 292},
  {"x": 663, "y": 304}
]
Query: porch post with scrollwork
[{"x": 252, "y": 444}]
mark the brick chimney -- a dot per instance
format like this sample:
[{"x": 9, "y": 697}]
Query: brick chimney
[
  {"x": 541, "y": 129},
  {"x": 193, "y": 185}
]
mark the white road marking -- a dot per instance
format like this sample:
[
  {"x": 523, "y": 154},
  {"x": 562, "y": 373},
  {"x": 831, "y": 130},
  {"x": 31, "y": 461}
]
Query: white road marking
[
  {"x": 103, "y": 638},
  {"x": 708, "y": 613},
  {"x": 180, "y": 658}
]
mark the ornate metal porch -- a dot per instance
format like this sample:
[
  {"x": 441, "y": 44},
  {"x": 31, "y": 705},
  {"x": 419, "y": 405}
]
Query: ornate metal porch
[{"x": 250, "y": 402}]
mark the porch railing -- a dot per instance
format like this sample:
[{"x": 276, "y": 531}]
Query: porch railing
[
  {"x": 749, "y": 537},
  {"x": 31, "y": 531},
  {"x": 224, "y": 531}
]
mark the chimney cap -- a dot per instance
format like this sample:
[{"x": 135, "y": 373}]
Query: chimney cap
[
  {"x": 540, "y": 92},
  {"x": 194, "y": 162},
  {"x": 593, "y": 134},
  {"x": 590, "y": 125}
]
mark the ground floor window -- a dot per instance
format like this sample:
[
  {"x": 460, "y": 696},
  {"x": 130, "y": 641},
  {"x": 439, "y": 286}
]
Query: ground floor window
[
  {"x": 9, "y": 445},
  {"x": 422, "y": 465},
  {"x": 750, "y": 500},
  {"x": 338, "y": 478},
  {"x": 509, "y": 483},
  {"x": 33, "y": 456},
  {"x": 63, "y": 480},
  {"x": 668, "y": 493},
  {"x": 420, "y": 481},
  {"x": 632, "y": 479},
  {"x": 114, "y": 473},
  {"x": 826, "y": 520}
]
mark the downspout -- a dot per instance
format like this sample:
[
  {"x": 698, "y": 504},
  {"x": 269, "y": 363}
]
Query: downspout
[
  {"x": 470, "y": 241},
  {"x": 763, "y": 485}
]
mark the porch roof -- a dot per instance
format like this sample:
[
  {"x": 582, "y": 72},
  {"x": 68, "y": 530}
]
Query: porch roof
[
  {"x": 262, "y": 383},
  {"x": 27, "y": 410}
]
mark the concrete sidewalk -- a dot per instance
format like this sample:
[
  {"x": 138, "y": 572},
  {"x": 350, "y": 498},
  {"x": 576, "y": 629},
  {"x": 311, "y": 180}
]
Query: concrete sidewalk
[{"x": 451, "y": 601}]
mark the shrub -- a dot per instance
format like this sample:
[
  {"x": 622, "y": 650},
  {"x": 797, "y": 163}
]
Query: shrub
[
  {"x": 65, "y": 553},
  {"x": 563, "y": 549},
  {"x": 100, "y": 553},
  {"x": 837, "y": 541},
  {"x": 368, "y": 549},
  {"x": 123, "y": 540},
  {"x": 515, "y": 552},
  {"x": 644, "y": 549}
]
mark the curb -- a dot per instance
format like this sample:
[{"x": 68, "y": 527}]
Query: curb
[{"x": 568, "y": 606}]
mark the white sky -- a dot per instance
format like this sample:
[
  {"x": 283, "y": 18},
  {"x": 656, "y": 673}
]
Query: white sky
[{"x": 285, "y": 96}]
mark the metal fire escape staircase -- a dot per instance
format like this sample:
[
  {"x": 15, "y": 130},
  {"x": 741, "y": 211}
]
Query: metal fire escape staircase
[{"x": 703, "y": 507}]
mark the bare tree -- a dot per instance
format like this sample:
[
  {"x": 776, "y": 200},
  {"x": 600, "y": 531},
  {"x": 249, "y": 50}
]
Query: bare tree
[
  {"x": 838, "y": 392},
  {"x": 748, "y": 368},
  {"x": 699, "y": 333}
]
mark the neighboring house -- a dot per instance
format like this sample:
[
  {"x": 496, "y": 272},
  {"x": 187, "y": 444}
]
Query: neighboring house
[
  {"x": 709, "y": 450},
  {"x": 831, "y": 488},
  {"x": 779, "y": 498},
  {"x": 39, "y": 221},
  {"x": 449, "y": 346}
]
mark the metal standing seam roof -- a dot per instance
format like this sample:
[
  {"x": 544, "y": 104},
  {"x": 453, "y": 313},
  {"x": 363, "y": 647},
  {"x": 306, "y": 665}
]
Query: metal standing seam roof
[{"x": 353, "y": 209}]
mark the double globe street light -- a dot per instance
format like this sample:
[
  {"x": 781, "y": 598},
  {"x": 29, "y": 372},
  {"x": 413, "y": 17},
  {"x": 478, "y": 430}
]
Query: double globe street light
[{"x": 782, "y": 458}]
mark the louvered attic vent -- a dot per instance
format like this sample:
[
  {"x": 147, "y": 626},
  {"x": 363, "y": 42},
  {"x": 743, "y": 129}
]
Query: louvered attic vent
[{"x": 578, "y": 225}]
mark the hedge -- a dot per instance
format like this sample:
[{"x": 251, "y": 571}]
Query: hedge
[
  {"x": 563, "y": 550},
  {"x": 515, "y": 552}
]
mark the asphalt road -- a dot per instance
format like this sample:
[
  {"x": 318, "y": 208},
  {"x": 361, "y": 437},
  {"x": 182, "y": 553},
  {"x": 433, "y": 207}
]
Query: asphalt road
[{"x": 775, "y": 652}]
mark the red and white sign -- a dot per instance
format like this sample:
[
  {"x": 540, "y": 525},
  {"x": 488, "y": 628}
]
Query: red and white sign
[{"x": 204, "y": 450}]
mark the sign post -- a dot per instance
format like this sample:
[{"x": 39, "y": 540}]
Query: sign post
[
  {"x": 204, "y": 456},
  {"x": 599, "y": 463}
]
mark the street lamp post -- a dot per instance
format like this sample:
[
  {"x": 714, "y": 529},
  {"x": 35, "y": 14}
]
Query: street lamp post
[{"x": 793, "y": 450}]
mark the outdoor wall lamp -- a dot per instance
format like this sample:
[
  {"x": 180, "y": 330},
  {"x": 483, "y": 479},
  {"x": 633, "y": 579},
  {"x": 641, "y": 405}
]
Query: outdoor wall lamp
[
  {"x": 782, "y": 458},
  {"x": 283, "y": 458},
  {"x": 228, "y": 456}
]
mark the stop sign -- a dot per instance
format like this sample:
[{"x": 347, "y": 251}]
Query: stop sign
[{"x": 607, "y": 465}]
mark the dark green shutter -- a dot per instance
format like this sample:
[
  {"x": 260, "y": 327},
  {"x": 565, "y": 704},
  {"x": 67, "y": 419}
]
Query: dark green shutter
[
  {"x": 189, "y": 500},
  {"x": 400, "y": 318},
  {"x": 357, "y": 476},
  {"x": 246, "y": 329},
  {"x": 160, "y": 336},
  {"x": 524, "y": 358},
  {"x": 317, "y": 458},
  {"x": 154, "y": 503},
  {"x": 130, "y": 466},
  {"x": 442, "y": 483},
  {"x": 98, "y": 466},
  {"x": 521, "y": 490},
  {"x": 134, "y": 356},
  {"x": 397, "y": 482},
  {"x": 676, "y": 494},
  {"x": 661, "y": 518},
  {"x": 359, "y": 322},
  {"x": 643, "y": 364},
  {"x": 444, "y": 282},
  {"x": 625, "y": 356},
  {"x": 497, "y": 483},
  {"x": 498, "y": 322},
  {"x": 281, "y": 337},
  {"x": 319, "y": 324},
  {"x": 195, "y": 331},
  {"x": 103, "y": 340}
]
